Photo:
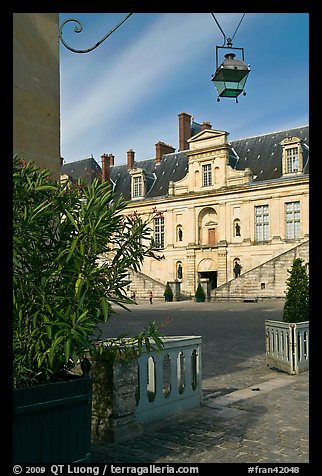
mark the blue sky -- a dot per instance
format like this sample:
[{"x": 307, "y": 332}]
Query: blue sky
[{"x": 128, "y": 92}]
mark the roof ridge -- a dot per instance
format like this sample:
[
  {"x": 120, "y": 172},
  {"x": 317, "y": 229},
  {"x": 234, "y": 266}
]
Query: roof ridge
[
  {"x": 269, "y": 133},
  {"x": 81, "y": 160}
]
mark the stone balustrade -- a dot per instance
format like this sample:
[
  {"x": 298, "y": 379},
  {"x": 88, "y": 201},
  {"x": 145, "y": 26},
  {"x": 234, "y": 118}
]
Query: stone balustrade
[
  {"x": 150, "y": 387},
  {"x": 169, "y": 381},
  {"x": 287, "y": 346}
]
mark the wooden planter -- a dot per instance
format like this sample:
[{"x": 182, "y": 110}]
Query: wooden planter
[
  {"x": 287, "y": 346},
  {"x": 52, "y": 422},
  {"x": 200, "y": 299}
]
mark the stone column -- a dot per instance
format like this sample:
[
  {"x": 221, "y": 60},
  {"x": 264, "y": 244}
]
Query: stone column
[
  {"x": 191, "y": 271},
  {"x": 114, "y": 400},
  {"x": 222, "y": 266},
  {"x": 175, "y": 286}
]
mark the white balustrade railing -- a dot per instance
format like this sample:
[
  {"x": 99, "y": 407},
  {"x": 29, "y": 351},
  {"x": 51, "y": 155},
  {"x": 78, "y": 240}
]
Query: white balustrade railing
[
  {"x": 169, "y": 380},
  {"x": 287, "y": 346}
]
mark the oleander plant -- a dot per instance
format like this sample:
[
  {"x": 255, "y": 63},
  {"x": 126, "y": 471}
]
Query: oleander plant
[{"x": 72, "y": 247}]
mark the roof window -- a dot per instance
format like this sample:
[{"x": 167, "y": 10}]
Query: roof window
[{"x": 292, "y": 156}]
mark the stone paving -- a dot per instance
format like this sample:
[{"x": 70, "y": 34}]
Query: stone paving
[{"x": 250, "y": 413}]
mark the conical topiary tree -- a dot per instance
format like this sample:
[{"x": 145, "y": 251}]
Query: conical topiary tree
[
  {"x": 296, "y": 307},
  {"x": 200, "y": 294},
  {"x": 168, "y": 293}
]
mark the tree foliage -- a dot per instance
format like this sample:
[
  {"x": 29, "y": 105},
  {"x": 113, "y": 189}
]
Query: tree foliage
[
  {"x": 200, "y": 293},
  {"x": 72, "y": 248},
  {"x": 168, "y": 293},
  {"x": 296, "y": 307}
]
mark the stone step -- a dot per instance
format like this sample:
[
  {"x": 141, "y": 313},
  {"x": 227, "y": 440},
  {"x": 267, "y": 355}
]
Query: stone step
[{"x": 267, "y": 280}]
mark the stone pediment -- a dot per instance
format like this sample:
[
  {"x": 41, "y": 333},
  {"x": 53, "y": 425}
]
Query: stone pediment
[
  {"x": 208, "y": 138},
  {"x": 211, "y": 223},
  {"x": 136, "y": 171},
  {"x": 290, "y": 140}
]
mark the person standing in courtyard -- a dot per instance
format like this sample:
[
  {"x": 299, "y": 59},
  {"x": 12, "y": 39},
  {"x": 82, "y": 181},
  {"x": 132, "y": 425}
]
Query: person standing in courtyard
[{"x": 150, "y": 297}]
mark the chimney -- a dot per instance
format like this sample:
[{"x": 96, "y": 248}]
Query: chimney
[
  {"x": 206, "y": 125},
  {"x": 160, "y": 149},
  {"x": 130, "y": 159},
  {"x": 111, "y": 157},
  {"x": 105, "y": 168},
  {"x": 184, "y": 130}
]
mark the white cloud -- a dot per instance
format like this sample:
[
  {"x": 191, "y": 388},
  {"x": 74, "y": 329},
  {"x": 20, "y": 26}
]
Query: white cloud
[
  {"x": 128, "y": 92},
  {"x": 148, "y": 64}
]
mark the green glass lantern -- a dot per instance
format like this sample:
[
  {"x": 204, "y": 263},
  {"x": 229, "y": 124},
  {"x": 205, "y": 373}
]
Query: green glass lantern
[{"x": 231, "y": 75}]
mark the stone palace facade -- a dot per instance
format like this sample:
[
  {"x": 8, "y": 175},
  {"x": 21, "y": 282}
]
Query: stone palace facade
[{"x": 232, "y": 215}]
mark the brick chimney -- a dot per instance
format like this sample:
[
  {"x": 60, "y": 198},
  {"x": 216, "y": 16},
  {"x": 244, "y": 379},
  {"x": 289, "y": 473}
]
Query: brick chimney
[
  {"x": 184, "y": 130},
  {"x": 130, "y": 159},
  {"x": 111, "y": 157},
  {"x": 106, "y": 175},
  {"x": 160, "y": 149},
  {"x": 206, "y": 125}
]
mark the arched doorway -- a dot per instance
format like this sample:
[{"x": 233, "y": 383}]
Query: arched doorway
[
  {"x": 208, "y": 227},
  {"x": 207, "y": 269}
]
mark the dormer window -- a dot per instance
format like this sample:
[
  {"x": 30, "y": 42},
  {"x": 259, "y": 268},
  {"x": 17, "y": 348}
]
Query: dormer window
[
  {"x": 292, "y": 157},
  {"x": 292, "y": 160},
  {"x": 137, "y": 183},
  {"x": 137, "y": 187}
]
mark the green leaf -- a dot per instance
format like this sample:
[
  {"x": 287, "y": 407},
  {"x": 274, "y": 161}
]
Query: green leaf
[
  {"x": 67, "y": 350},
  {"x": 105, "y": 308},
  {"x": 78, "y": 283},
  {"x": 72, "y": 248},
  {"x": 44, "y": 187},
  {"x": 71, "y": 218}
]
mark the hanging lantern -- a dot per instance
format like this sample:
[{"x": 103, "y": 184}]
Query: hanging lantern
[{"x": 231, "y": 76}]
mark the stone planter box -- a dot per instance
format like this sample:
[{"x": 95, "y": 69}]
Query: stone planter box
[{"x": 287, "y": 346}]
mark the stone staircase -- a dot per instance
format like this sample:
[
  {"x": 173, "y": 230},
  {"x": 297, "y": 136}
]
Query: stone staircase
[
  {"x": 142, "y": 284},
  {"x": 266, "y": 281}
]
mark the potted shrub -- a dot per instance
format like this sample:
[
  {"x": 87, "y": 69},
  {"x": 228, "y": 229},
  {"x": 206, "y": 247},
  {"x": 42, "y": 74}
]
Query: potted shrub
[
  {"x": 287, "y": 341},
  {"x": 296, "y": 307},
  {"x": 168, "y": 293},
  {"x": 200, "y": 294},
  {"x": 72, "y": 248}
]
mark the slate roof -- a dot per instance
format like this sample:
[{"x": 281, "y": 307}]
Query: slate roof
[
  {"x": 86, "y": 169},
  {"x": 262, "y": 154},
  {"x": 195, "y": 128},
  {"x": 172, "y": 167}
]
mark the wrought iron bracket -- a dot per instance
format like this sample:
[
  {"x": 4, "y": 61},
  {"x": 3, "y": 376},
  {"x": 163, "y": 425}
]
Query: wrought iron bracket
[{"x": 79, "y": 29}]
